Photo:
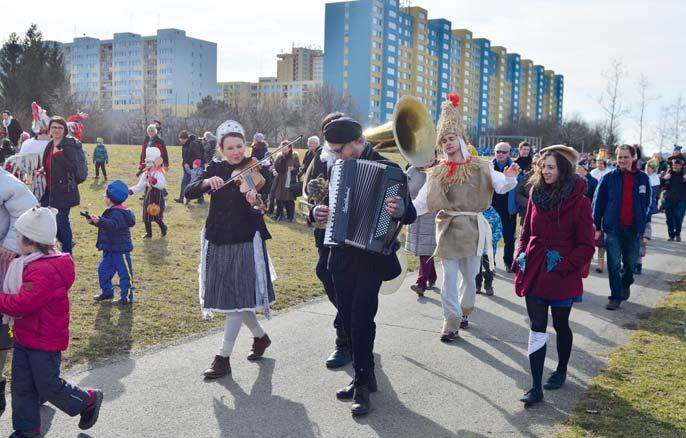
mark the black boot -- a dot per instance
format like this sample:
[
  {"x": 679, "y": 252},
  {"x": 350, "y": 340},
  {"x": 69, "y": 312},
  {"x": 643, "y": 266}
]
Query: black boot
[
  {"x": 341, "y": 356},
  {"x": 639, "y": 268},
  {"x": 347, "y": 392},
  {"x": 163, "y": 228},
  {"x": 360, "y": 404},
  {"x": 3, "y": 402},
  {"x": 532, "y": 396},
  {"x": 148, "y": 230}
]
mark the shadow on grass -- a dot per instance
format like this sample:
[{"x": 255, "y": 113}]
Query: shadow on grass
[{"x": 156, "y": 250}]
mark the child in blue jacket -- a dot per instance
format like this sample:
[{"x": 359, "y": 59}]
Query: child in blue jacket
[
  {"x": 114, "y": 240},
  {"x": 100, "y": 158}
]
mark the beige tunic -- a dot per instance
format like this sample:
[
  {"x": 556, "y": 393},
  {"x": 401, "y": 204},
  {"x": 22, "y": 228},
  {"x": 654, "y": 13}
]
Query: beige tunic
[{"x": 459, "y": 235}]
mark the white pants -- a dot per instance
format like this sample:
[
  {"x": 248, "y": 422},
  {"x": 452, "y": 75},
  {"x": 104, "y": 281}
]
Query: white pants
[
  {"x": 232, "y": 326},
  {"x": 454, "y": 305}
]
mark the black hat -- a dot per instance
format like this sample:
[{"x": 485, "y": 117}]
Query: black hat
[{"x": 342, "y": 130}]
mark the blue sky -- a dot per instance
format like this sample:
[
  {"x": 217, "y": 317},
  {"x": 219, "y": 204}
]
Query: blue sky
[{"x": 576, "y": 38}]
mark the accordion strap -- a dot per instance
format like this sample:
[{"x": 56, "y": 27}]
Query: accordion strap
[{"x": 485, "y": 241}]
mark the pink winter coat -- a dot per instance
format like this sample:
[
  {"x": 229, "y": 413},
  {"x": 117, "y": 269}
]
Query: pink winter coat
[
  {"x": 566, "y": 228},
  {"x": 41, "y": 308}
]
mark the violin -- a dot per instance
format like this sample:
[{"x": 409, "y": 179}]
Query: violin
[{"x": 247, "y": 177}]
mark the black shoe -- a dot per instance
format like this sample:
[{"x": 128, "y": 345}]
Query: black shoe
[
  {"x": 90, "y": 415},
  {"x": 180, "y": 201},
  {"x": 360, "y": 404},
  {"x": 626, "y": 292},
  {"x": 418, "y": 289},
  {"x": 613, "y": 305},
  {"x": 341, "y": 356},
  {"x": 639, "y": 268},
  {"x": 678, "y": 238},
  {"x": 25, "y": 434},
  {"x": 599, "y": 270},
  {"x": 555, "y": 381},
  {"x": 163, "y": 228},
  {"x": 347, "y": 392},
  {"x": 671, "y": 239},
  {"x": 532, "y": 396}
]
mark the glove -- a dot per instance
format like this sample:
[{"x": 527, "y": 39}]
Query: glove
[
  {"x": 553, "y": 258},
  {"x": 521, "y": 261}
]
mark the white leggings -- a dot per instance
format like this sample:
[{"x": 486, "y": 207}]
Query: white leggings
[
  {"x": 454, "y": 305},
  {"x": 233, "y": 325}
]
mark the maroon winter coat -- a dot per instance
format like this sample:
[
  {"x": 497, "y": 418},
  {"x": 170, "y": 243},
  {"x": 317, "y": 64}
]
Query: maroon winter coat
[
  {"x": 41, "y": 308},
  {"x": 566, "y": 228}
]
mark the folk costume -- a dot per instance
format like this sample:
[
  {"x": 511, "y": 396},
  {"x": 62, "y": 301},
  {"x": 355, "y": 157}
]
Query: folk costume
[
  {"x": 460, "y": 193},
  {"x": 554, "y": 253},
  {"x": 154, "y": 182},
  {"x": 235, "y": 272}
]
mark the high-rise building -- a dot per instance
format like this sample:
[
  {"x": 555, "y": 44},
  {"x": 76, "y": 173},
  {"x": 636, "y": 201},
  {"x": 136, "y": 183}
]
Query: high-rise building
[
  {"x": 302, "y": 64},
  {"x": 132, "y": 72},
  {"x": 377, "y": 51}
]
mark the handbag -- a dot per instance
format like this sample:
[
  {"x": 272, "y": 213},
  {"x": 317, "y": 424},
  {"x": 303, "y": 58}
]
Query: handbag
[{"x": 297, "y": 188}]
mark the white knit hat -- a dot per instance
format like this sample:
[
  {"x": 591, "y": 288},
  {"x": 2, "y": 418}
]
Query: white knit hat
[
  {"x": 153, "y": 156},
  {"x": 38, "y": 224}
]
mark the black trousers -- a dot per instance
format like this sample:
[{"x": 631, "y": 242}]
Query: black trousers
[
  {"x": 485, "y": 275},
  {"x": 325, "y": 277},
  {"x": 100, "y": 165},
  {"x": 357, "y": 296},
  {"x": 509, "y": 229}
]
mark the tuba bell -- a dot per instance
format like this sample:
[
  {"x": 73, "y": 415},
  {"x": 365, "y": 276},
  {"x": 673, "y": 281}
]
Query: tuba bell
[{"x": 411, "y": 131}]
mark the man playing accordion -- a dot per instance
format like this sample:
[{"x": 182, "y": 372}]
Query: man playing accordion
[{"x": 358, "y": 274}]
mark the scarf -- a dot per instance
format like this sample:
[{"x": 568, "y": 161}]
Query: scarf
[
  {"x": 543, "y": 199},
  {"x": 14, "y": 277}
]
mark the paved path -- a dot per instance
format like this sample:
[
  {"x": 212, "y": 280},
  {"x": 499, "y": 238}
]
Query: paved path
[{"x": 427, "y": 389}]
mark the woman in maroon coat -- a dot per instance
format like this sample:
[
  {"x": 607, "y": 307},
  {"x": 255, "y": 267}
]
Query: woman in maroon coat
[{"x": 555, "y": 248}]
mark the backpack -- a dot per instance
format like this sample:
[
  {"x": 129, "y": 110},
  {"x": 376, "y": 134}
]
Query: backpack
[{"x": 81, "y": 173}]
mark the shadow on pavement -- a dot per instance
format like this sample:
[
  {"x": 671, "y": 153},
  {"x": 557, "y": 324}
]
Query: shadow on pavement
[{"x": 248, "y": 413}]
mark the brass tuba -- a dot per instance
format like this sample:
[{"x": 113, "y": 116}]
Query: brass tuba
[{"x": 411, "y": 131}]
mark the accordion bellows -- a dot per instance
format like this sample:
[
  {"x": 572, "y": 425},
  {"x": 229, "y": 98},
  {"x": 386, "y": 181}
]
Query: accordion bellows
[{"x": 357, "y": 215}]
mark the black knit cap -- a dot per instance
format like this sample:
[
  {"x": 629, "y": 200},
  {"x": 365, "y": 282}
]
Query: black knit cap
[{"x": 342, "y": 130}]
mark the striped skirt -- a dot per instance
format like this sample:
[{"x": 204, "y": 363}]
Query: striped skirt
[
  {"x": 235, "y": 277},
  {"x": 153, "y": 196}
]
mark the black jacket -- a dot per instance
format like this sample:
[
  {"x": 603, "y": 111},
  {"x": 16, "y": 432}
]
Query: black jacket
[
  {"x": 231, "y": 218},
  {"x": 14, "y": 131},
  {"x": 347, "y": 260},
  {"x": 64, "y": 191},
  {"x": 675, "y": 187},
  {"x": 159, "y": 143},
  {"x": 191, "y": 150}
]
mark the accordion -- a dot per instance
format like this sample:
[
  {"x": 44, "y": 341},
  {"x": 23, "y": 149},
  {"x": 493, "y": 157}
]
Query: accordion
[{"x": 358, "y": 190}]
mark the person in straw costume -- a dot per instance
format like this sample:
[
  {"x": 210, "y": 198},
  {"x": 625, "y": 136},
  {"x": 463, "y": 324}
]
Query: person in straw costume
[{"x": 459, "y": 189}]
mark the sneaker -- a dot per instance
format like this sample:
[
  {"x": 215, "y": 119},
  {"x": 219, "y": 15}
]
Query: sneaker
[
  {"x": 639, "y": 269},
  {"x": 555, "y": 381},
  {"x": 464, "y": 323},
  {"x": 678, "y": 238},
  {"x": 121, "y": 302},
  {"x": 489, "y": 292},
  {"x": 532, "y": 396},
  {"x": 671, "y": 239},
  {"x": 612, "y": 305},
  {"x": 90, "y": 415},
  {"x": 101, "y": 297},
  {"x": 599, "y": 270},
  {"x": 479, "y": 291},
  {"x": 432, "y": 285},
  {"x": 449, "y": 336},
  {"x": 418, "y": 289},
  {"x": 178, "y": 200}
]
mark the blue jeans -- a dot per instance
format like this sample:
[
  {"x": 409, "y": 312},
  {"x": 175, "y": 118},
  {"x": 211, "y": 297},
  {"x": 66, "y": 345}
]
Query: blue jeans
[
  {"x": 64, "y": 234},
  {"x": 674, "y": 210},
  {"x": 622, "y": 248},
  {"x": 119, "y": 263},
  {"x": 184, "y": 182}
]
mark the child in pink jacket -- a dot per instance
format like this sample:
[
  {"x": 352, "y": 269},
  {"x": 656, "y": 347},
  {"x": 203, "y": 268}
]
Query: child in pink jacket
[{"x": 35, "y": 294}]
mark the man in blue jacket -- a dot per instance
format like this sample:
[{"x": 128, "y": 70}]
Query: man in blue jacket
[
  {"x": 621, "y": 208},
  {"x": 506, "y": 205}
]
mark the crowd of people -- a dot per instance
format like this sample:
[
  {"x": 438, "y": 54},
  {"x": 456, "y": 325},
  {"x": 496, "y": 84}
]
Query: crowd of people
[{"x": 552, "y": 208}]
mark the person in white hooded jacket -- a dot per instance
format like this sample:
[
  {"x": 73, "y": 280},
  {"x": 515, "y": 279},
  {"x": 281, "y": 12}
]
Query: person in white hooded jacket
[{"x": 15, "y": 199}]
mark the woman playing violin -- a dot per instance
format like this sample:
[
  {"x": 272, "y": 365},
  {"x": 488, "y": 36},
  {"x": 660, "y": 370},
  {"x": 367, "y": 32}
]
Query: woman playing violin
[{"x": 234, "y": 234}]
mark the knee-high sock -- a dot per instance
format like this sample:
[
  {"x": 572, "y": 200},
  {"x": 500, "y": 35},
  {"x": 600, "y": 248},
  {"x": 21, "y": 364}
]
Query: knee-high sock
[
  {"x": 564, "y": 336},
  {"x": 250, "y": 320},
  {"x": 231, "y": 328},
  {"x": 537, "y": 350}
]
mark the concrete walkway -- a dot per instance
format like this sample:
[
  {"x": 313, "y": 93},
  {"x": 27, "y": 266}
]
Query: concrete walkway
[{"x": 426, "y": 389}]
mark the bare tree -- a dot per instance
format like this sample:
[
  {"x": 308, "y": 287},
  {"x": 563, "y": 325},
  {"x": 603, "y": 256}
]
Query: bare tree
[
  {"x": 611, "y": 101},
  {"x": 662, "y": 128},
  {"x": 643, "y": 100},
  {"x": 678, "y": 114}
]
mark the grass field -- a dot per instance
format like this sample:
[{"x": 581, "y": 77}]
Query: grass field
[
  {"x": 165, "y": 269},
  {"x": 642, "y": 392}
]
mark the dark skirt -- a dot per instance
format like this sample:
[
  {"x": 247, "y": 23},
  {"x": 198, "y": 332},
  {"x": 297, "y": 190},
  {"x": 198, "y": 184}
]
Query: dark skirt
[
  {"x": 153, "y": 196},
  {"x": 236, "y": 277}
]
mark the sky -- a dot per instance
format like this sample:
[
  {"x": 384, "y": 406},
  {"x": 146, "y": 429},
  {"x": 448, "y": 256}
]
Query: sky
[{"x": 576, "y": 38}]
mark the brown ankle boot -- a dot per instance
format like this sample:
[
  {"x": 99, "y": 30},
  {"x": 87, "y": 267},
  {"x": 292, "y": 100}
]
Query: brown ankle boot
[
  {"x": 220, "y": 367},
  {"x": 258, "y": 347}
]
